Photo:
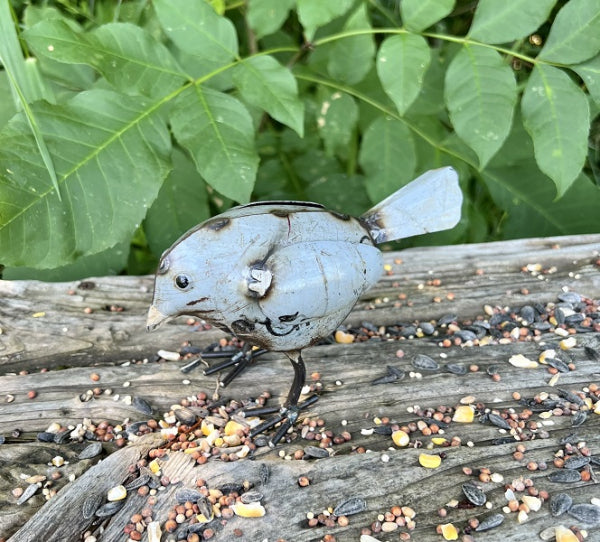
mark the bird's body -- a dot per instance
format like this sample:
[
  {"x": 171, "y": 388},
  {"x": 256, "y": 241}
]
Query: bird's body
[
  {"x": 279, "y": 274},
  {"x": 282, "y": 275}
]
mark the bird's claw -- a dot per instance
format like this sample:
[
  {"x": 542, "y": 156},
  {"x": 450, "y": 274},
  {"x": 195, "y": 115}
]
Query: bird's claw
[
  {"x": 287, "y": 415},
  {"x": 239, "y": 360}
]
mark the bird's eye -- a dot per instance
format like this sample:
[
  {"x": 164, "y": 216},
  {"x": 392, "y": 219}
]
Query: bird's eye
[
  {"x": 182, "y": 282},
  {"x": 164, "y": 266}
]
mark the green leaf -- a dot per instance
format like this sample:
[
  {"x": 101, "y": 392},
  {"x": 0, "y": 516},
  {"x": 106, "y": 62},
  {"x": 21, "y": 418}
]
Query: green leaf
[
  {"x": 556, "y": 115},
  {"x": 531, "y": 204},
  {"x": 217, "y": 130},
  {"x": 108, "y": 262},
  {"x": 111, "y": 156},
  {"x": 343, "y": 193},
  {"x": 181, "y": 204},
  {"x": 316, "y": 13},
  {"x": 351, "y": 58},
  {"x": 267, "y": 16},
  {"x": 315, "y": 165},
  {"x": 7, "y": 107},
  {"x": 337, "y": 121},
  {"x": 266, "y": 84},
  {"x": 195, "y": 28},
  {"x": 590, "y": 73},
  {"x": 26, "y": 85},
  {"x": 402, "y": 61},
  {"x": 501, "y": 22},
  {"x": 271, "y": 181},
  {"x": 575, "y": 33},
  {"x": 70, "y": 76},
  {"x": 125, "y": 54},
  {"x": 418, "y": 15},
  {"x": 481, "y": 93},
  {"x": 430, "y": 100},
  {"x": 387, "y": 156}
]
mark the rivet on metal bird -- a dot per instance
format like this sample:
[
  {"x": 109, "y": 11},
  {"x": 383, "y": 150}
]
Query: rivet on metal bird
[{"x": 281, "y": 275}]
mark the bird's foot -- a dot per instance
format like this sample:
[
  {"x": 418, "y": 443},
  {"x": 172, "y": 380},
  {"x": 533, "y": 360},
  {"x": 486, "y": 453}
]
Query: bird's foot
[
  {"x": 287, "y": 415},
  {"x": 239, "y": 360}
]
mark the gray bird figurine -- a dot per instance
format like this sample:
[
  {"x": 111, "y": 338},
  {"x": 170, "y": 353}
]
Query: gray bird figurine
[{"x": 281, "y": 275}]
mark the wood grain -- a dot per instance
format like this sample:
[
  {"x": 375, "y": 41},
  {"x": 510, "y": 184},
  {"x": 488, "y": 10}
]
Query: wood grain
[{"x": 46, "y": 326}]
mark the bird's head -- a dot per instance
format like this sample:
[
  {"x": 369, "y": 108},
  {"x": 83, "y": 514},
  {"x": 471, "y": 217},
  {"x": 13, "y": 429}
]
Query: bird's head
[{"x": 181, "y": 286}]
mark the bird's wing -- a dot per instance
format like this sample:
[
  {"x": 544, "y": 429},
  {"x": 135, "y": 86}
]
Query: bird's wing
[
  {"x": 432, "y": 202},
  {"x": 318, "y": 279}
]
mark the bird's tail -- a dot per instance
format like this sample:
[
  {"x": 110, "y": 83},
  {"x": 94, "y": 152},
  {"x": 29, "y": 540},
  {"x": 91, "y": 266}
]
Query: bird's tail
[{"x": 431, "y": 202}]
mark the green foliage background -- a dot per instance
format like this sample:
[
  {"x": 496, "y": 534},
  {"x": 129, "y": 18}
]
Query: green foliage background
[{"x": 124, "y": 124}]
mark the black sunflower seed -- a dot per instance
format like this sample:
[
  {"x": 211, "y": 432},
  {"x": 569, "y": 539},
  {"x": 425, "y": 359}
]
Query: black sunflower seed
[
  {"x": 317, "y": 453},
  {"x": 91, "y": 450},
  {"x": 457, "y": 368},
  {"x": 110, "y": 508},
  {"x": 560, "y": 503},
  {"x": 425, "y": 363},
  {"x": 578, "y": 418},
  {"x": 491, "y": 522},
  {"x": 184, "y": 494},
  {"x": 474, "y": 494},
  {"x": 91, "y": 503},
  {"x": 565, "y": 476},
  {"x": 350, "y": 506},
  {"x": 498, "y": 421},
  {"x": 139, "y": 403},
  {"x": 586, "y": 513},
  {"x": 576, "y": 462}
]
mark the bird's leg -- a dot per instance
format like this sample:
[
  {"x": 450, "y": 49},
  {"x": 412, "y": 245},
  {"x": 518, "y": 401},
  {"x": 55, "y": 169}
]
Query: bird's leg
[
  {"x": 240, "y": 360},
  {"x": 288, "y": 413}
]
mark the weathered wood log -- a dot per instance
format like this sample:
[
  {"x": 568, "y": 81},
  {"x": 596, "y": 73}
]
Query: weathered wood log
[{"x": 420, "y": 285}]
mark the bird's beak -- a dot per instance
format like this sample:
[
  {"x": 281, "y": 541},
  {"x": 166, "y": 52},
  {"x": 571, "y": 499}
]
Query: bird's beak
[{"x": 155, "y": 318}]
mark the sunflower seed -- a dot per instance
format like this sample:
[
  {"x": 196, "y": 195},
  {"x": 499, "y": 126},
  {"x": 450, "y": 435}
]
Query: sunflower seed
[
  {"x": 392, "y": 375},
  {"x": 457, "y": 368},
  {"x": 251, "y": 496},
  {"x": 565, "y": 476},
  {"x": 91, "y": 503},
  {"x": 571, "y": 397},
  {"x": 350, "y": 506},
  {"x": 586, "y": 513},
  {"x": 383, "y": 430},
  {"x": 425, "y": 363},
  {"x": 317, "y": 453},
  {"x": 142, "y": 480},
  {"x": 204, "y": 507},
  {"x": 184, "y": 494},
  {"x": 29, "y": 492},
  {"x": 569, "y": 297},
  {"x": 503, "y": 440},
  {"x": 91, "y": 450},
  {"x": 265, "y": 474},
  {"x": 498, "y": 421},
  {"x": 491, "y": 522},
  {"x": 62, "y": 436},
  {"x": 595, "y": 460},
  {"x": 592, "y": 353},
  {"x": 558, "y": 364},
  {"x": 45, "y": 436},
  {"x": 231, "y": 487},
  {"x": 474, "y": 494},
  {"x": 185, "y": 416},
  {"x": 578, "y": 418},
  {"x": 576, "y": 462},
  {"x": 139, "y": 403},
  {"x": 560, "y": 503},
  {"x": 110, "y": 508}
]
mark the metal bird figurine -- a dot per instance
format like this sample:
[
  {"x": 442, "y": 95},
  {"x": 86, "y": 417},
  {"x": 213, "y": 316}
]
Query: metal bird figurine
[{"x": 281, "y": 275}]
